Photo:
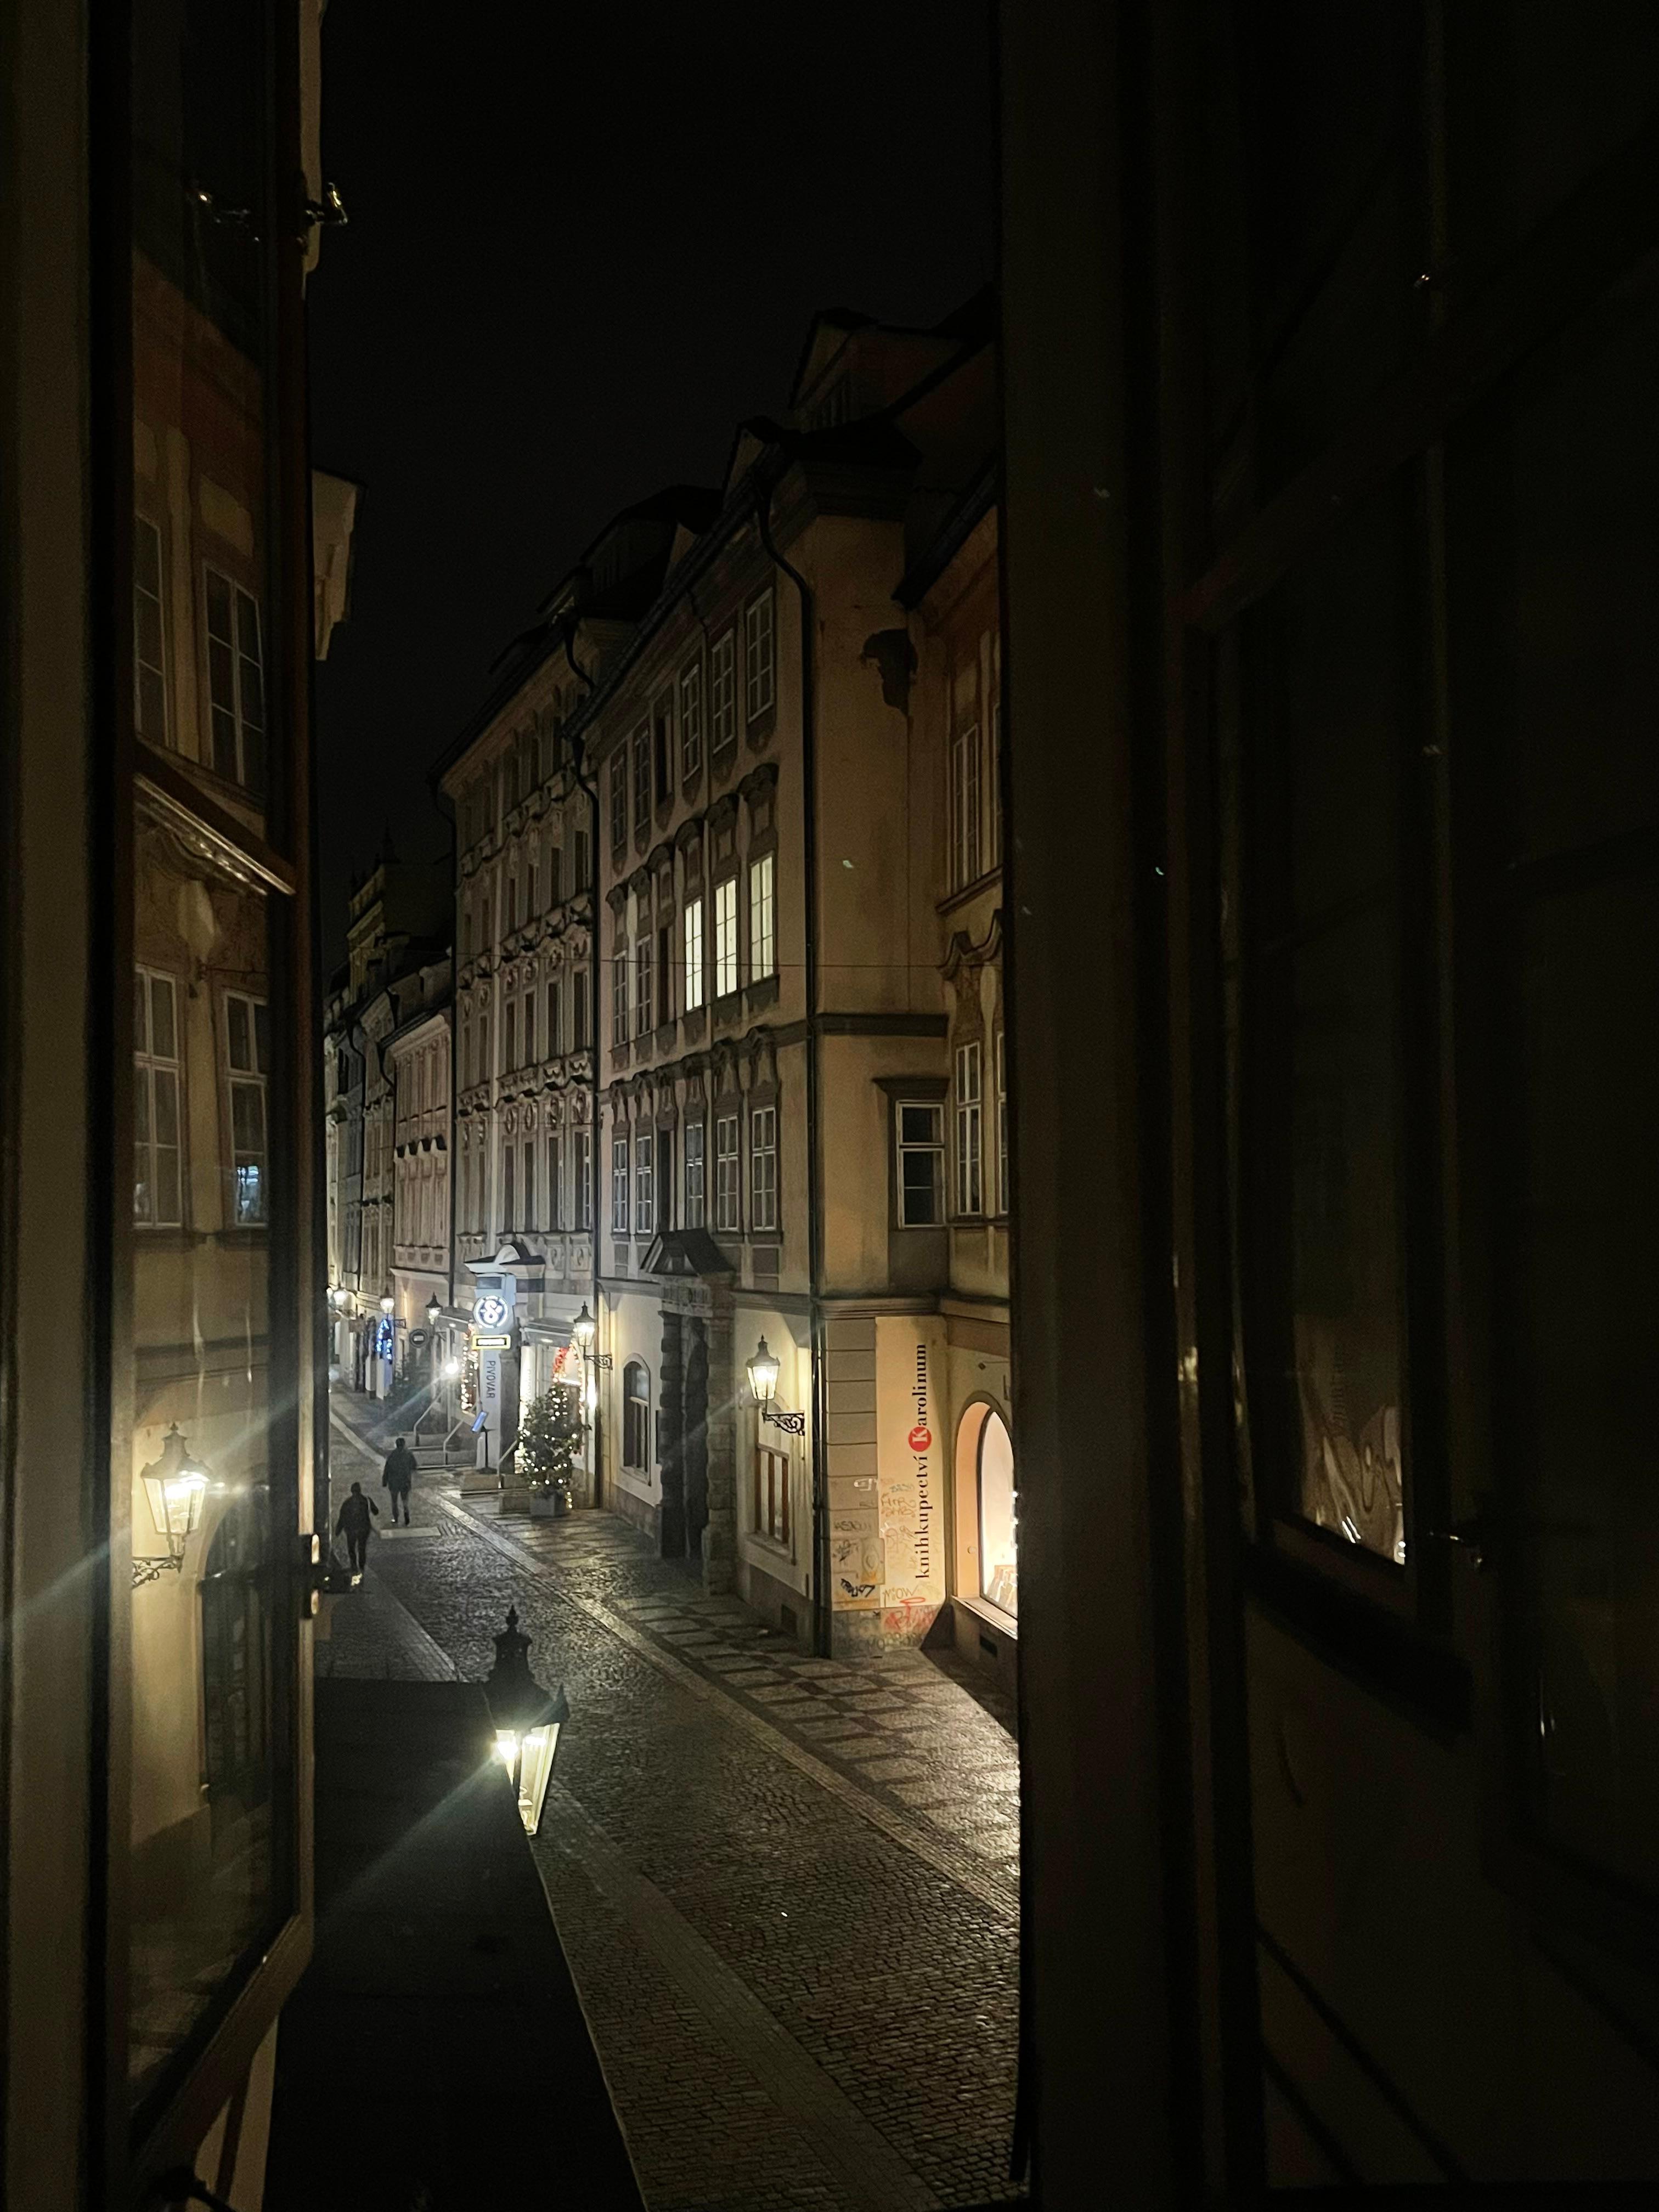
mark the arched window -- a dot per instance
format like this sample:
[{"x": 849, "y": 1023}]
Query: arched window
[
  {"x": 998, "y": 1568},
  {"x": 636, "y": 1416}
]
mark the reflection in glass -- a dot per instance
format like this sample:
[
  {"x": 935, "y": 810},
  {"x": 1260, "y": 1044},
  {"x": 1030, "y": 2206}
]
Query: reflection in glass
[
  {"x": 209, "y": 1869},
  {"x": 1318, "y": 1078}
]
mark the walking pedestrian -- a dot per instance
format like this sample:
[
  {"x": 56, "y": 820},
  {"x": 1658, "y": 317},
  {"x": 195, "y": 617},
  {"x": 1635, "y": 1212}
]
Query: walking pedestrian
[
  {"x": 399, "y": 1477},
  {"x": 354, "y": 1525}
]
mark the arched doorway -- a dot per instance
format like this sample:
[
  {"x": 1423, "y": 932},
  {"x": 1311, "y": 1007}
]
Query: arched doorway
[{"x": 984, "y": 1590}]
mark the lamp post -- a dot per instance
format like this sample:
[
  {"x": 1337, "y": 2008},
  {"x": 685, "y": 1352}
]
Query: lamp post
[
  {"x": 526, "y": 1718},
  {"x": 582, "y": 1331},
  {"x": 175, "y": 1484},
  {"x": 763, "y": 1366}
]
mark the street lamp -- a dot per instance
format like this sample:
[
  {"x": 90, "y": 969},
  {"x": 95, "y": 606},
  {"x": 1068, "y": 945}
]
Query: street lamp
[
  {"x": 582, "y": 1329},
  {"x": 387, "y": 1302},
  {"x": 434, "y": 1308},
  {"x": 762, "y": 1367},
  {"x": 175, "y": 1484},
  {"x": 527, "y": 1720}
]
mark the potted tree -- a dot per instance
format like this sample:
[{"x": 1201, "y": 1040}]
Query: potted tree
[{"x": 549, "y": 1447}]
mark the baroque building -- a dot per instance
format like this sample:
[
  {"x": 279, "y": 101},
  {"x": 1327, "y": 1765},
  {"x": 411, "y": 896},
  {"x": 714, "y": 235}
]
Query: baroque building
[{"x": 739, "y": 703}]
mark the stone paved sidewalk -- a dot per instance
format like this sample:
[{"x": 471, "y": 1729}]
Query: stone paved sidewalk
[{"x": 787, "y": 1887}]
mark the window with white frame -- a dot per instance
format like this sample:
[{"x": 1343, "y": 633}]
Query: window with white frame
[
  {"x": 969, "y": 1182},
  {"x": 726, "y": 936},
  {"x": 531, "y": 881},
  {"x": 510, "y": 1036},
  {"x": 723, "y": 693},
  {"x": 247, "y": 1056},
  {"x": 643, "y": 781},
  {"x": 692, "y": 929},
  {"x": 645, "y": 1182},
  {"x": 554, "y": 1017},
  {"x": 579, "y": 1010},
  {"x": 158, "y": 1125},
  {"x": 619, "y": 996},
  {"x": 484, "y": 1068},
  {"x": 771, "y": 1500},
  {"x": 690, "y": 722},
  {"x": 579, "y": 870},
  {"x": 758, "y": 672},
  {"x": 581, "y": 1172},
  {"x": 555, "y": 873},
  {"x": 528, "y": 1206},
  {"x": 236, "y": 688},
  {"x": 763, "y": 1168},
  {"x": 919, "y": 1130},
  {"x": 149, "y": 652},
  {"x": 512, "y": 902},
  {"x": 763, "y": 918},
  {"x": 1001, "y": 1066},
  {"x": 529, "y": 1025},
  {"x": 619, "y": 799},
  {"x": 509, "y": 1188},
  {"x": 728, "y": 1179},
  {"x": 554, "y": 1180},
  {"x": 696, "y": 1198},
  {"x": 644, "y": 997},
  {"x": 636, "y": 1417},
  {"x": 965, "y": 861},
  {"x": 619, "y": 1186}
]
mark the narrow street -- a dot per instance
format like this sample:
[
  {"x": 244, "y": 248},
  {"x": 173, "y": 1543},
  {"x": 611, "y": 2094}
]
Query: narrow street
[{"x": 787, "y": 1887}]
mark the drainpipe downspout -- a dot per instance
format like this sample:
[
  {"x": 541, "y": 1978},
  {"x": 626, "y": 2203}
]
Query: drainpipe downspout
[
  {"x": 591, "y": 792},
  {"x": 821, "y": 1610}
]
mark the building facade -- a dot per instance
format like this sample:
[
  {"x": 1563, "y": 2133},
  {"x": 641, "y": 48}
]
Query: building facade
[
  {"x": 417, "y": 1057},
  {"x": 957, "y": 1145},
  {"x": 397, "y": 966}
]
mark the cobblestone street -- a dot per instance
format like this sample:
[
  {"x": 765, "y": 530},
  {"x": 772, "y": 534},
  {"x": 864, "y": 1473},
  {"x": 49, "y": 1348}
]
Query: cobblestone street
[{"x": 787, "y": 1887}]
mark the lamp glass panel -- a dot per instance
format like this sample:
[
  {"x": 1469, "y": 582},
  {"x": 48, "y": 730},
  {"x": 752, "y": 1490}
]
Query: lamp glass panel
[{"x": 534, "y": 1771}]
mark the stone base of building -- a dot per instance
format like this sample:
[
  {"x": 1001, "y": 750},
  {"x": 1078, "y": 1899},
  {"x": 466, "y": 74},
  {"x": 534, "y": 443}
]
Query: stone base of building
[
  {"x": 982, "y": 1641},
  {"x": 628, "y": 1506},
  {"x": 778, "y": 1603}
]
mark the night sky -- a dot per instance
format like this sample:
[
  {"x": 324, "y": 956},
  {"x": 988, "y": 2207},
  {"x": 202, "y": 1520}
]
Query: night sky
[{"x": 581, "y": 248}]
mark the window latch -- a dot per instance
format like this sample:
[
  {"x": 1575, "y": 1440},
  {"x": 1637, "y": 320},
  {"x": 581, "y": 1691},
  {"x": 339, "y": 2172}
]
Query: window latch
[{"x": 329, "y": 212}]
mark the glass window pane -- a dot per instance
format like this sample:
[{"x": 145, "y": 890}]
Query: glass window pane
[
  {"x": 160, "y": 1028},
  {"x": 207, "y": 1477}
]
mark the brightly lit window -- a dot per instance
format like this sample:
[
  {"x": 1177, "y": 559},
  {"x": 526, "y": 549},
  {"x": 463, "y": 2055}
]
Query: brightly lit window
[
  {"x": 158, "y": 1178},
  {"x": 763, "y": 918},
  {"x": 726, "y": 936},
  {"x": 999, "y": 1566},
  {"x": 693, "y": 927}
]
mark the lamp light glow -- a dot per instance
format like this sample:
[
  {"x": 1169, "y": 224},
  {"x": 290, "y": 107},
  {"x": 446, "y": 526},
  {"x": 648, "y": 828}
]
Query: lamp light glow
[
  {"x": 763, "y": 1375},
  {"x": 582, "y": 1329},
  {"x": 387, "y": 1302}
]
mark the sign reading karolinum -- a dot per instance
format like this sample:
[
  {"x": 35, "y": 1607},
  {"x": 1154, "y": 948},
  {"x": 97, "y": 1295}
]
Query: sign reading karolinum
[{"x": 909, "y": 1357}]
